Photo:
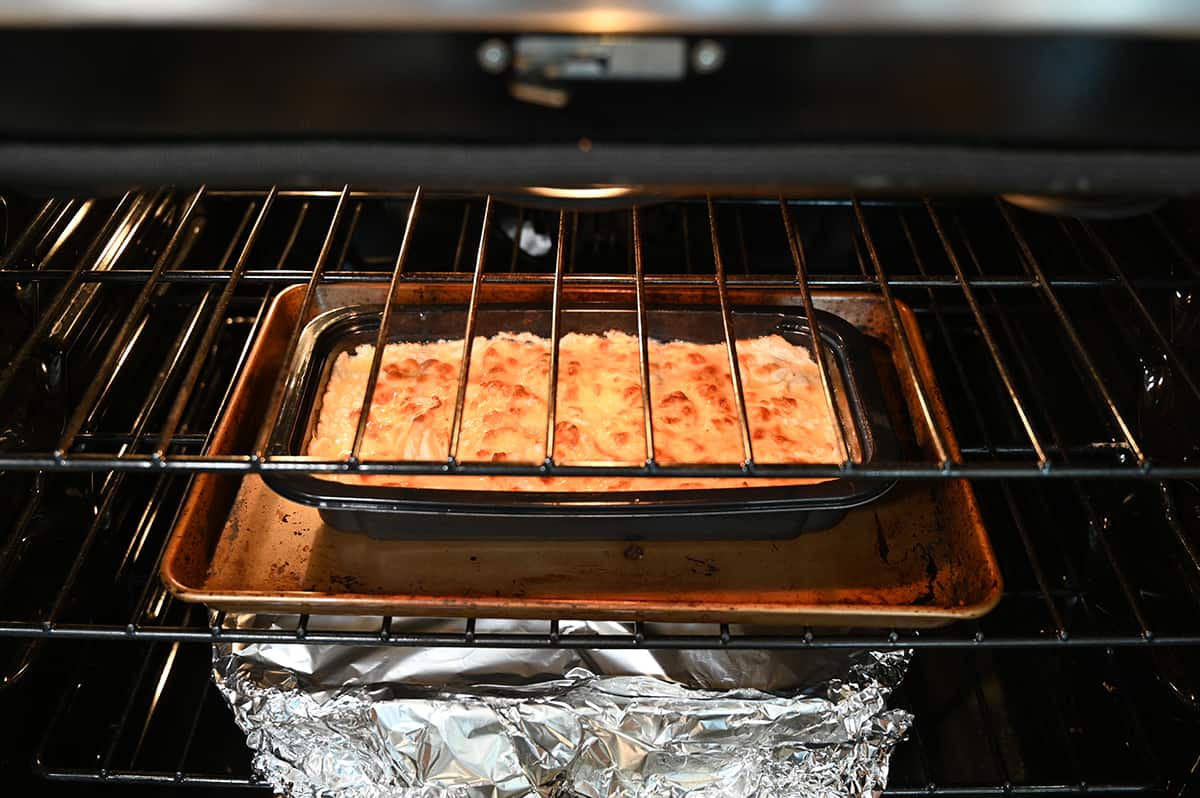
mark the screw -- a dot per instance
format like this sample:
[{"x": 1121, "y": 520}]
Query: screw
[
  {"x": 707, "y": 56},
  {"x": 494, "y": 56}
]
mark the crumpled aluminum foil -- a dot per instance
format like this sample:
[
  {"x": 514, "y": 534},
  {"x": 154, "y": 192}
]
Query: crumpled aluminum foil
[{"x": 370, "y": 722}]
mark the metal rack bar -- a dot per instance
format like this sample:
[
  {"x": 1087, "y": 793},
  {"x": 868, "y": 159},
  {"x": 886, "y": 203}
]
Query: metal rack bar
[
  {"x": 735, "y": 371},
  {"x": 39, "y": 260},
  {"x": 143, "y": 527},
  {"x": 153, "y": 586},
  {"x": 1073, "y": 450},
  {"x": 988, "y": 338},
  {"x": 1061, "y": 724},
  {"x": 862, "y": 262},
  {"x": 796, "y": 247},
  {"x": 1096, "y": 525},
  {"x": 462, "y": 237},
  {"x": 163, "y": 677},
  {"x": 1031, "y": 264},
  {"x": 883, "y": 640},
  {"x": 741, "y": 237},
  {"x": 1164, "y": 342},
  {"x": 1021, "y": 348},
  {"x": 627, "y": 223},
  {"x": 555, "y": 332},
  {"x": 78, "y": 212},
  {"x": 197, "y": 274},
  {"x": 190, "y": 736},
  {"x": 989, "y": 722},
  {"x": 643, "y": 335},
  {"x": 906, "y": 350},
  {"x": 130, "y": 212},
  {"x": 105, "y": 383},
  {"x": 355, "y": 216},
  {"x": 112, "y": 483},
  {"x": 118, "y": 731},
  {"x": 246, "y": 463},
  {"x": 574, "y": 239},
  {"x": 385, "y": 326},
  {"x": 1180, "y": 251},
  {"x": 1171, "y": 514},
  {"x": 314, "y": 193},
  {"x": 292, "y": 236},
  {"x": 217, "y": 319},
  {"x": 134, "y": 318},
  {"x": 17, "y": 539},
  {"x": 138, "y": 777},
  {"x": 915, "y": 740},
  {"x": 1035, "y": 563},
  {"x": 34, "y": 227},
  {"x": 464, "y": 368},
  {"x": 310, "y": 291}
]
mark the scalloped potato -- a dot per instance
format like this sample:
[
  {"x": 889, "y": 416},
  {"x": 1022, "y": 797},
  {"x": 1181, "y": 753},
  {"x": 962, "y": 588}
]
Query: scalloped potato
[{"x": 599, "y": 414}]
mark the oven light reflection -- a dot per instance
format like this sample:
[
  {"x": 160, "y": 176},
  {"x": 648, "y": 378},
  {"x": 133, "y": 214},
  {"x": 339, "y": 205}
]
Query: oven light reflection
[{"x": 593, "y": 193}]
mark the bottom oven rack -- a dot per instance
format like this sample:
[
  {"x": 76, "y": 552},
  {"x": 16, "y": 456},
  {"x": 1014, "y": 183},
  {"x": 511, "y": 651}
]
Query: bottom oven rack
[
  {"x": 987, "y": 724},
  {"x": 1078, "y": 682}
]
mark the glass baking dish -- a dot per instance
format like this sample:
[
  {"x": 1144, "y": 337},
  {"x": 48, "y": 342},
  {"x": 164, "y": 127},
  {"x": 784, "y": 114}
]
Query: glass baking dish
[{"x": 756, "y": 512}]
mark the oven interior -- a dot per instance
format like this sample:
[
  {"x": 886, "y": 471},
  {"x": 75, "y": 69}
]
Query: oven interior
[{"x": 1063, "y": 344}]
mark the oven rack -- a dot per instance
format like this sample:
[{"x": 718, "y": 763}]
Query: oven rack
[
  {"x": 1075, "y": 553},
  {"x": 984, "y": 725},
  {"x": 1109, "y": 447}
]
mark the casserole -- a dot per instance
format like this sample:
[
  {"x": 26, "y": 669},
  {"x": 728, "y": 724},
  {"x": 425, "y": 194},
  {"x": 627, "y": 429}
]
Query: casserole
[{"x": 751, "y": 512}]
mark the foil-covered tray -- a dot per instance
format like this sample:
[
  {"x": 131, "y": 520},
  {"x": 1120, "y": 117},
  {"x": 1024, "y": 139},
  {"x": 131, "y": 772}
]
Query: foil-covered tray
[
  {"x": 355, "y": 722},
  {"x": 919, "y": 556}
]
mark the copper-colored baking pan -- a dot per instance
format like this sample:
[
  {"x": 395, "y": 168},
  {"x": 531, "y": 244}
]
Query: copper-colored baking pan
[{"x": 918, "y": 557}]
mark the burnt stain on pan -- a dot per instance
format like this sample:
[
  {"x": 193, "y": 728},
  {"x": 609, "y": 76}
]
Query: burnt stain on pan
[
  {"x": 698, "y": 565},
  {"x": 881, "y": 544},
  {"x": 928, "y": 595}
]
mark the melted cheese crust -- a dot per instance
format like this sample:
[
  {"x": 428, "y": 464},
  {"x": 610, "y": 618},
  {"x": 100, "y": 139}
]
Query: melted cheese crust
[{"x": 599, "y": 415}]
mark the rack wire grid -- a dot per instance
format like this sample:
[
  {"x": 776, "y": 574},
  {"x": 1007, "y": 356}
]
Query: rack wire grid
[
  {"x": 1082, "y": 721},
  {"x": 1120, "y": 452},
  {"x": 1063, "y": 348}
]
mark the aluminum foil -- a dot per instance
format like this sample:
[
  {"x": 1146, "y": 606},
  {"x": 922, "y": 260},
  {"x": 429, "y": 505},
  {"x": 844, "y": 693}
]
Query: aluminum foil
[{"x": 367, "y": 722}]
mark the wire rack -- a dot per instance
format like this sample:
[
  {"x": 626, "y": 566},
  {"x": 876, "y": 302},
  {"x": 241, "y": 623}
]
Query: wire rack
[
  {"x": 1064, "y": 350},
  {"x": 1118, "y": 451},
  {"x": 150, "y": 716}
]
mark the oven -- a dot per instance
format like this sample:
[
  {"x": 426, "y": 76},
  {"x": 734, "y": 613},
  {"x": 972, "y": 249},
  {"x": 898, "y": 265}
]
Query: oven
[{"x": 1002, "y": 198}]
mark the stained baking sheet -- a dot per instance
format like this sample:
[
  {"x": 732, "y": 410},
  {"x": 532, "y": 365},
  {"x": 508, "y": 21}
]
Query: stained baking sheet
[{"x": 917, "y": 557}]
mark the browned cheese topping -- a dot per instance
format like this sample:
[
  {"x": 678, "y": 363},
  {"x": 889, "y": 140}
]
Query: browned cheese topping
[{"x": 599, "y": 416}]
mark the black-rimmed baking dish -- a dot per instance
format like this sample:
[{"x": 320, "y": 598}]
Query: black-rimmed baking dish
[{"x": 782, "y": 511}]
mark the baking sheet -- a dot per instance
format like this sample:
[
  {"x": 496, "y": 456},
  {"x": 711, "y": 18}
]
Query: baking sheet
[{"x": 917, "y": 557}]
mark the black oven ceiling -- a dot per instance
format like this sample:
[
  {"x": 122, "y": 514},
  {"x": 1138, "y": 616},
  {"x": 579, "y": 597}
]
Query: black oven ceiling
[{"x": 1052, "y": 102}]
